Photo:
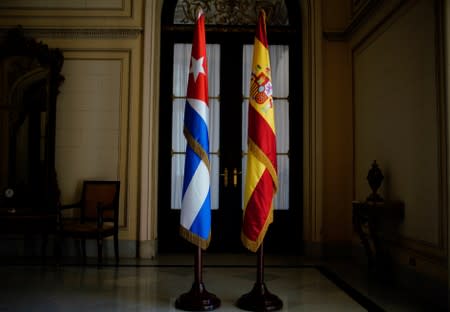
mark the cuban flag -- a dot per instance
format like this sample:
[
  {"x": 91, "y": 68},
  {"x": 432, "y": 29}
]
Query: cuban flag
[{"x": 195, "y": 219}]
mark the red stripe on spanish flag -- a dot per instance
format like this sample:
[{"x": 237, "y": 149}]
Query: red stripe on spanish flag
[
  {"x": 262, "y": 134},
  {"x": 261, "y": 34},
  {"x": 258, "y": 214},
  {"x": 261, "y": 180}
]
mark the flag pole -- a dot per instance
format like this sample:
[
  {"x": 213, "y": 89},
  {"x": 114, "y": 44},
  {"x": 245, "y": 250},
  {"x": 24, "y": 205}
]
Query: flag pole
[
  {"x": 198, "y": 298},
  {"x": 260, "y": 298},
  {"x": 262, "y": 184},
  {"x": 196, "y": 187}
]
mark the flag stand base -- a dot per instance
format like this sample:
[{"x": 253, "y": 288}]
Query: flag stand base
[
  {"x": 197, "y": 299},
  {"x": 259, "y": 299}
]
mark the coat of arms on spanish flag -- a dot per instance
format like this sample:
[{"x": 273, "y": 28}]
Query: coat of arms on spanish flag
[{"x": 261, "y": 179}]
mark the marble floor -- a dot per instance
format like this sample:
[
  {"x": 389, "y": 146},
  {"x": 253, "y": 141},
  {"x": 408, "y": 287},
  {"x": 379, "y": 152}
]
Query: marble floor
[{"x": 154, "y": 285}]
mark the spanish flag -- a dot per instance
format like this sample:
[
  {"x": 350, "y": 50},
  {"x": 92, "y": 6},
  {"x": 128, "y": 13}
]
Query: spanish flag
[{"x": 261, "y": 181}]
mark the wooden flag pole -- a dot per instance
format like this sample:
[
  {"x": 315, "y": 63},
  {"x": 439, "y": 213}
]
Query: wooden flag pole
[
  {"x": 197, "y": 299},
  {"x": 259, "y": 298}
]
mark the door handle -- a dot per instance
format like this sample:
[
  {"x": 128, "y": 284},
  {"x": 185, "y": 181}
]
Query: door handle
[
  {"x": 225, "y": 177},
  {"x": 235, "y": 175}
]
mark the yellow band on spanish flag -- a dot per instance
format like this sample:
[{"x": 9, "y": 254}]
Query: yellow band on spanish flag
[{"x": 261, "y": 179}]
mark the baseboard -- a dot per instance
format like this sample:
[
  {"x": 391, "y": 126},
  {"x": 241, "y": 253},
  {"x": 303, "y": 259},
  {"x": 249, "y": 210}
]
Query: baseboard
[
  {"x": 148, "y": 249},
  {"x": 32, "y": 246},
  {"x": 328, "y": 250}
]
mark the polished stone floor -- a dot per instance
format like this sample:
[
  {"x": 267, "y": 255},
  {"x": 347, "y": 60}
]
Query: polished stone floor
[{"x": 154, "y": 285}]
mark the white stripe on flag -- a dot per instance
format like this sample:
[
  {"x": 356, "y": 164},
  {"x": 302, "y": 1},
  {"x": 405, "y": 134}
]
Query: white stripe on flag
[
  {"x": 201, "y": 108},
  {"x": 194, "y": 196}
]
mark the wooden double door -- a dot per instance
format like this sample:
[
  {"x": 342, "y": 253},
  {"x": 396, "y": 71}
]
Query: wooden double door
[{"x": 228, "y": 154}]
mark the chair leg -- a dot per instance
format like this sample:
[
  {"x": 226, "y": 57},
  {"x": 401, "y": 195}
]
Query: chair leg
[
  {"x": 83, "y": 249},
  {"x": 116, "y": 247},
  {"x": 100, "y": 250},
  {"x": 44, "y": 247},
  {"x": 58, "y": 248}
]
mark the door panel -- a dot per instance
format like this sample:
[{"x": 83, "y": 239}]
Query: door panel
[{"x": 226, "y": 221}]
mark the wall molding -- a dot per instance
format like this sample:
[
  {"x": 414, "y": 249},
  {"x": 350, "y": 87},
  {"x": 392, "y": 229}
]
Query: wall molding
[
  {"x": 312, "y": 119},
  {"x": 360, "y": 12},
  {"x": 124, "y": 57},
  {"x": 127, "y": 14},
  {"x": 148, "y": 204},
  {"x": 80, "y": 33},
  {"x": 26, "y": 8}
]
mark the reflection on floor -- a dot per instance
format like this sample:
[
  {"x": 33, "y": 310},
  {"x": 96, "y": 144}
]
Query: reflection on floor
[{"x": 154, "y": 285}]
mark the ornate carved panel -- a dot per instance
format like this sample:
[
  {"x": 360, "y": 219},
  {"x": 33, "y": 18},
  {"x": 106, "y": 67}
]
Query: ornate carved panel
[
  {"x": 29, "y": 81},
  {"x": 236, "y": 12}
]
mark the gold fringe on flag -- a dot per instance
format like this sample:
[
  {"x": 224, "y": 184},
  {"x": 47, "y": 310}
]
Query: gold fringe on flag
[
  {"x": 196, "y": 147},
  {"x": 262, "y": 157},
  {"x": 195, "y": 239}
]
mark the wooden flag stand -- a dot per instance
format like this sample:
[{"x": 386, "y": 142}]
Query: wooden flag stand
[
  {"x": 259, "y": 298},
  {"x": 197, "y": 299}
]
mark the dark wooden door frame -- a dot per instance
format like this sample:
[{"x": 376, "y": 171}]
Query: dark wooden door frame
[{"x": 225, "y": 235}]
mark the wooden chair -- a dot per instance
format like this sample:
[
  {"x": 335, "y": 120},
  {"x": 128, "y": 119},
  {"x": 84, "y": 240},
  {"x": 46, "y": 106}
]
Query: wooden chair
[{"x": 97, "y": 218}]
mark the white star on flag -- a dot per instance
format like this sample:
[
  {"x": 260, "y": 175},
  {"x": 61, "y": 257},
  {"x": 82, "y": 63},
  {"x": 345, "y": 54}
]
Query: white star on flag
[{"x": 197, "y": 67}]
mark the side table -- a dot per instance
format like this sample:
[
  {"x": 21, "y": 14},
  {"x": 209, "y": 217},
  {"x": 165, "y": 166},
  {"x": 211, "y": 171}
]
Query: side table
[{"x": 373, "y": 221}]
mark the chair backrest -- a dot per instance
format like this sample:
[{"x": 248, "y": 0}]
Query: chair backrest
[{"x": 104, "y": 192}]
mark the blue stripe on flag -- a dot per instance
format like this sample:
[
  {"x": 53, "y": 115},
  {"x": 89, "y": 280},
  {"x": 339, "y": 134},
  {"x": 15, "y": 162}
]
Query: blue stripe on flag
[
  {"x": 196, "y": 126},
  {"x": 192, "y": 161},
  {"x": 202, "y": 223}
]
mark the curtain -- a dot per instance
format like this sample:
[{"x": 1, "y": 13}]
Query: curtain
[{"x": 279, "y": 58}]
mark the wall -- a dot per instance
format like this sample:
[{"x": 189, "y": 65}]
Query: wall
[
  {"x": 399, "y": 122},
  {"x": 98, "y": 109},
  {"x": 383, "y": 99}
]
